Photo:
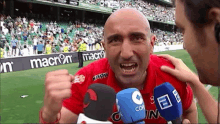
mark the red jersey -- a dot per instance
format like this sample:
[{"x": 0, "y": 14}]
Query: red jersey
[
  {"x": 100, "y": 72},
  {"x": 32, "y": 24}
]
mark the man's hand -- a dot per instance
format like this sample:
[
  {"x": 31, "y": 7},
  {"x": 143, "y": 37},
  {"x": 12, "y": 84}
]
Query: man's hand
[
  {"x": 181, "y": 71},
  {"x": 57, "y": 88}
]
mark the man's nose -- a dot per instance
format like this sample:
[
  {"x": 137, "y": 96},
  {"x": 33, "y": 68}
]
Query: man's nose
[{"x": 126, "y": 50}]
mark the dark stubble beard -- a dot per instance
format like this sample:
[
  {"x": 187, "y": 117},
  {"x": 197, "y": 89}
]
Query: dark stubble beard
[{"x": 139, "y": 86}]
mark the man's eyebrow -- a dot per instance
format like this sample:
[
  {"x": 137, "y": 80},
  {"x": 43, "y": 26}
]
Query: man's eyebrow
[
  {"x": 113, "y": 36},
  {"x": 137, "y": 33}
]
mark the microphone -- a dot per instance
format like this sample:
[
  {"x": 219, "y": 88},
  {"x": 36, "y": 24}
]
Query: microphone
[
  {"x": 130, "y": 105},
  {"x": 168, "y": 103},
  {"x": 98, "y": 104}
]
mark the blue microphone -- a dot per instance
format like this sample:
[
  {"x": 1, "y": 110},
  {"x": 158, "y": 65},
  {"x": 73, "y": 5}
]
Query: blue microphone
[
  {"x": 130, "y": 105},
  {"x": 168, "y": 103}
]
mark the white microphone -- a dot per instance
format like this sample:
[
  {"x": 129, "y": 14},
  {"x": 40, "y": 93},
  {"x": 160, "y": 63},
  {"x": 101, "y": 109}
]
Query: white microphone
[{"x": 82, "y": 119}]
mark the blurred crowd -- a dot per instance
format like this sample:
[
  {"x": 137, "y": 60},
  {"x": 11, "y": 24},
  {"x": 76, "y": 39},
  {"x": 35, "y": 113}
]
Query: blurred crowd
[
  {"x": 155, "y": 11},
  {"x": 22, "y": 37},
  {"x": 167, "y": 38}
]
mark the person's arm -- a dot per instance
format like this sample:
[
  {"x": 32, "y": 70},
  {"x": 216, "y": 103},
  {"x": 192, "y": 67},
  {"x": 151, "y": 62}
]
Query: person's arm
[
  {"x": 207, "y": 103},
  {"x": 66, "y": 116},
  {"x": 191, "y": 114},
  {"x": 205, "y": 100}
]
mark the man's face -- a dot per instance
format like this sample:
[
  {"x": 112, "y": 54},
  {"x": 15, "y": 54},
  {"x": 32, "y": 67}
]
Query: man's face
[
  {"x": 127, "y": 48},
  {"x": 202, "y": 46}
]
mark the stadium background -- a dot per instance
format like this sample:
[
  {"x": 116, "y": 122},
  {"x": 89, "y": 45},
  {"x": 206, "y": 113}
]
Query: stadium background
[{"x": 14, "y": 108}]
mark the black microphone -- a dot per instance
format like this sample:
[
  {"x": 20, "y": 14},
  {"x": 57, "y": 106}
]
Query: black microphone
[{"x": 98, "y": 104}]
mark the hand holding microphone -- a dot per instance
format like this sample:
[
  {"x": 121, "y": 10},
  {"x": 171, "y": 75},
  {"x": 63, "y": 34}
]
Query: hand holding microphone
[{"x": 130, "y": 105}]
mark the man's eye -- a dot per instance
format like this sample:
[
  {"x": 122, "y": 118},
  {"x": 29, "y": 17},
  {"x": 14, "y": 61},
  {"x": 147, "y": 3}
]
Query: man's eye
[
  {"x": 138, "y": 38},
  {"x": 114, "y": 40}
]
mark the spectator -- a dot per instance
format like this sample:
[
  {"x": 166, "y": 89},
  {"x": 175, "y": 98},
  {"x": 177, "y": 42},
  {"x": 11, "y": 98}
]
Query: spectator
[
  {"x": 25, "y": 51},
  {"x": 7, "y": 46},
  {"x": 19, "y": 46},
  {"x": 84, "y": 46},
  {"x": 3, "y": 40},
  {"x": 61, "y": 48},
  {"x": 62, "y": 30},
  {"x": 14, "y": 45},
  {"x": 48, "y": 48},
  {"x": 2, "y": 51},
  {"x": 35, "y": 40},
  {"x": 73, "y": 47},
  {"x": 25, "y": 36},
  {"x": 66, "y": 48},
  {"x": 40, "y": 48},
  {"x": 57, "y": 47},
  {"x": 97, "y": 46},
  {"x": 89, "y": 41}
]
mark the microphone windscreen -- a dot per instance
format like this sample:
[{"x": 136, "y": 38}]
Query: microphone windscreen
[
  {"x": 99, "y": 101},
  {"x": 130, "y": 105},
  {"x": 168, "y": 101}
]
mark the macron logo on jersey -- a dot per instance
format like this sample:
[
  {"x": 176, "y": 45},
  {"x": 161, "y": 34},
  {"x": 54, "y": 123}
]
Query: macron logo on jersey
[{"x": 164, "y": 102}]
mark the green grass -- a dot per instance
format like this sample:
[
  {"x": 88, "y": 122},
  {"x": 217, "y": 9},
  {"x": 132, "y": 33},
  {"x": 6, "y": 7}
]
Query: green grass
[
  {"x": 15, "y": 109},
  {"x": 29, "y": 82}
]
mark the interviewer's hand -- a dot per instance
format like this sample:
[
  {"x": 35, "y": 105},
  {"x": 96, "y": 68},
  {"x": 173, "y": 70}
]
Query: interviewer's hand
[
  {"x": 57, "y": 88},
  {"x": 186, "y": 121},
  {"x": 181, "y": 71}
]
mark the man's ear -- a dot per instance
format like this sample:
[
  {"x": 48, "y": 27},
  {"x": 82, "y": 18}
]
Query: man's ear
[
  {"x": 103, "y": 44},
  {"x": 152, "y": 41},
  {"x": 214, "y": 14}
]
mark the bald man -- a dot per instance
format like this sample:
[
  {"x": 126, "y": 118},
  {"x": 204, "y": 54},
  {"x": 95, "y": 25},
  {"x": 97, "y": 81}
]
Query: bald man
[{"x": 129, "y": 63}]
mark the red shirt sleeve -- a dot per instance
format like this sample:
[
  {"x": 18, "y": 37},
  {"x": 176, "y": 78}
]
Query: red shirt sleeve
[{"x": 187, "y": 97}]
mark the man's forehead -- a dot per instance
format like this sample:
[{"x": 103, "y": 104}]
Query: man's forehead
[{"x": 127, "y": 17}]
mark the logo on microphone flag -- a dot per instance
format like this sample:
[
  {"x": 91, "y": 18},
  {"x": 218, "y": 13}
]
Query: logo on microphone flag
[
  {"x": 164, "y": 102},
  {"x": 92, "y": 96},
  {"x": 137, "y": 98},
  {"x": 175, "y": 93}
]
